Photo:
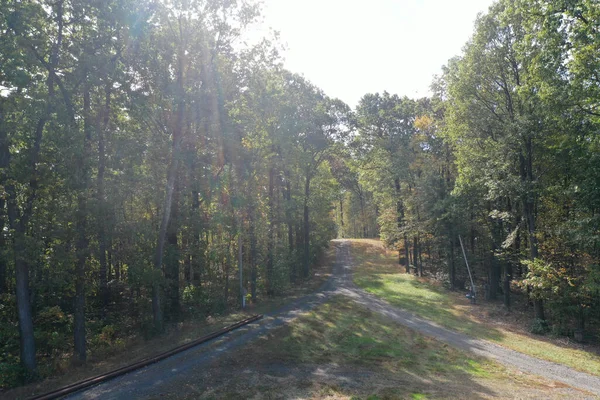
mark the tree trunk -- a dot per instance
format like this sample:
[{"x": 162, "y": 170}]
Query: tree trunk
[
  {"x": 342, "y": 217},
  {"x": 101, "y": 221},
  {"x": 241, "y": 261},
  {"x": 420, "y": 258},
  {"x": 407, "y": 253},
  {"x": 271, "y": 234},
  {"x": 410, "y": 255},
  {"x": 507, "y": 279},
  {"x": 187, "y": 270},
  {"x": 109, "y": 262},
  {"x": 3, "y": 286},
  {"x": 529, "y": 211},
  {"x": 416, "y": 255},
  {"x": 518, "y": 252},
  {"x": 79, "y": 314},
  {"x": 400, "y": 221},
  {"x": 162, "y": 233},
  {"x": 253, "y": 252},
  {"x": 451, "y": 264},
  {"x": 170, "y": 187},
  {"x": 26, "y": 337},
  {"x": 495, "y": 267},
  {"x": 362, "y": 214},
  {"x": 288, "y": 212},
  {"x": 171, "y": 262},
  {"x": 494, "y": 274},
  {"x": 227, "y": 265},
  {"x": 82, "y": 243},
  {"x": 197, "y": 252},
  {"x": 20, "y": 223},
  {"x": 4, "y": 165},
  {"x": 306, "y": 264},
  {"x": 118, "y": 271},
  {"x": 538, "y": 308}
]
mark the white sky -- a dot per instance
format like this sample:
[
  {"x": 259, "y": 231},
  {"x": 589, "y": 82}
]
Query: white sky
[{"x": 353, "y": 47}]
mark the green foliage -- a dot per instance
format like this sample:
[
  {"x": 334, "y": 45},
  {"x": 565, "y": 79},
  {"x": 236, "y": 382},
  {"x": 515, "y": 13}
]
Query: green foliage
[
  {"x": 99, "y": 131},
  {"x": 539, "y": 326},
  {"x": 285, "y": 261},
  {"x": 200, "y": 302},
  {"x": 546, "y": 280},
  {"x": 106, "y": 111},
  {"x": 11, "y": 370},
  {"x": 12, "y": 373},
  {"x": 53, "y": 331}
]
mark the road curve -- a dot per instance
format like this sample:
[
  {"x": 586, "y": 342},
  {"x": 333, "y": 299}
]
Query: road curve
[{"x": 147, "y": 382}]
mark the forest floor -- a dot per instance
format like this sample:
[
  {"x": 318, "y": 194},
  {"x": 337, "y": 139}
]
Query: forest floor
[
  {"x": 137, "y": 348},
  {"x": 341, "y": 343},
  {"x": 378, "y": 273}
]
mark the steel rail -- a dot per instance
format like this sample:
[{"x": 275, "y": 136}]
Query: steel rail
[{"x": 74, "y": 387}]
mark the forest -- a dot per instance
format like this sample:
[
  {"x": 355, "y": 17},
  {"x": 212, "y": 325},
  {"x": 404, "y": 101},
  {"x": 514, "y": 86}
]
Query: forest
[{"x": 150, "y": 154}]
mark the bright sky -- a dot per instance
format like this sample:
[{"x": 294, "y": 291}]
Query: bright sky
[{"x": 353, "y": 47}]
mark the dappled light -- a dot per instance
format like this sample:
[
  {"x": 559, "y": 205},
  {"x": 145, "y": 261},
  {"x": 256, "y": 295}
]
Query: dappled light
[
  {"x": 357, "y": 353},
  {"x": 165, "y": 170}
]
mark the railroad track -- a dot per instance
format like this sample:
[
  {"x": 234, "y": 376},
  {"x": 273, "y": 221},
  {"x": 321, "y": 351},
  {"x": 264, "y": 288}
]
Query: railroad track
[{"x": 77, "y": 386}]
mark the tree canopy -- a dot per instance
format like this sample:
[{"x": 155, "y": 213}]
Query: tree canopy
[{"x": 149, "y": 158}]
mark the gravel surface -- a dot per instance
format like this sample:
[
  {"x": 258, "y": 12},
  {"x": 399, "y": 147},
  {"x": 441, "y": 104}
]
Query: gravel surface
[
  {"x": 520, "y": 361},
  {"x": 147, "y": 382}
]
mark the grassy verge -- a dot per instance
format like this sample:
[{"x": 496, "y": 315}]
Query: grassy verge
[
  {"x": 377, "y": 271},
  {"x": 137, "y": 348},
  {"x": 344, "y": 351}
]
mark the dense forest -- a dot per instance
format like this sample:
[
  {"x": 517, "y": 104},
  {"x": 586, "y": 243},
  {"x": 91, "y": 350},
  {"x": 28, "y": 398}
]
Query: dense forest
[
  {"x": 149, "y": 154},
  {"x": 504, "y": 156}
]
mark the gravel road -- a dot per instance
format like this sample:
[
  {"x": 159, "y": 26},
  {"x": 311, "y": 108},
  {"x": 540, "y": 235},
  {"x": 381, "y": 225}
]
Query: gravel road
[
  {"x": 147, "y": 382},
  {"x": 483, "y": 348}
]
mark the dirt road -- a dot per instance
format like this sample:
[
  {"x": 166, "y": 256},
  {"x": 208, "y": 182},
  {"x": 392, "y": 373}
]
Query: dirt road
[{"x": 147, "y": 382}]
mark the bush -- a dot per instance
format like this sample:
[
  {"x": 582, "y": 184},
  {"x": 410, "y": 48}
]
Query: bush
[
  {"x": 539, "y": 326},
  {"x": 53, "y": 331},
  {"x": 11, "y": 374},
  {"x": 282, "y": 267},
  {"x": 199, "y": 301}
]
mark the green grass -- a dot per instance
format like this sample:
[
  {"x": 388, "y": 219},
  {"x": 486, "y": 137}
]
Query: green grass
[
  {"x": 377, "y": 272},
  {"x": 341, "y": 332},
  {"x": 379, "y": 358}
]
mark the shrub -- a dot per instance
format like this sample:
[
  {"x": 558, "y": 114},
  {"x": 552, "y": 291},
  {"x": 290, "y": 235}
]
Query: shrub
[
  {"x": 539, "y": 326},
  {"x": 11, "y": 373},
  {"x": 52, "y": 331}
]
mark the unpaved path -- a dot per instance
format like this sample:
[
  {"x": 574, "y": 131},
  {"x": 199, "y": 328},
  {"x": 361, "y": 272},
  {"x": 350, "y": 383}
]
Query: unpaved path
[
  {"x": 147, "y": 382},
  {"x": 522, "y": 362}
]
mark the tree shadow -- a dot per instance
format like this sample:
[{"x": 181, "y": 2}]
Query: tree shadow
[
  {"x": 407, "y": 293},
  {"x": 435, "y": 307},
  {"x": 340, "y": 350}
]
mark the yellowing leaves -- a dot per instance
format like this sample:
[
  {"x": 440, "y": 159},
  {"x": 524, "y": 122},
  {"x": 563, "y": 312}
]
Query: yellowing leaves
[{"x": 423, "y": 123}]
